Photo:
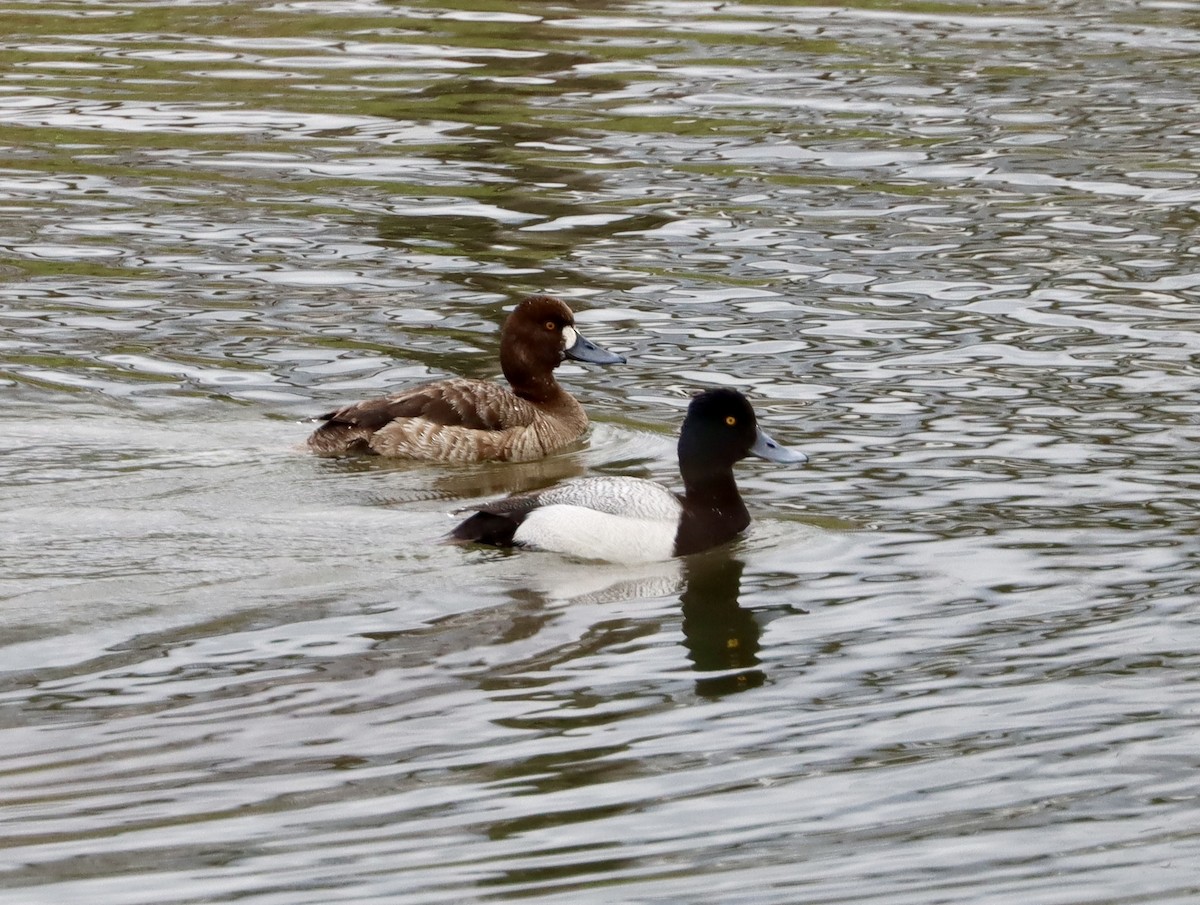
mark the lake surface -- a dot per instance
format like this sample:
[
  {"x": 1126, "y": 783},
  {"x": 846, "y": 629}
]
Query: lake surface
[{"x": 952, "y": 251}]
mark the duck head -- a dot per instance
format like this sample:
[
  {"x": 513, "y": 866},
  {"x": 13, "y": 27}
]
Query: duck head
[
  {"x": 538, "y": 336},
  {"x": 721, "y": 429}
]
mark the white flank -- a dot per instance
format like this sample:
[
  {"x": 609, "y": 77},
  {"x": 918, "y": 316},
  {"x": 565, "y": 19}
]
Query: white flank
[{"x": 589, "y": 534}]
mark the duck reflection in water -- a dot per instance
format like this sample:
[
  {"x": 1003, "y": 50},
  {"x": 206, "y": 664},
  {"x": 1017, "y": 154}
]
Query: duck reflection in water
[{"x": 720, "y": 635}]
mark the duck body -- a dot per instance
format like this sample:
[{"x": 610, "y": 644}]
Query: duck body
[
  {"x": 631, "y": 520},
  {"x": 615, "y": 519},
  {"x": 458, "y": 420},
  {"x": 462, "y": 420}
]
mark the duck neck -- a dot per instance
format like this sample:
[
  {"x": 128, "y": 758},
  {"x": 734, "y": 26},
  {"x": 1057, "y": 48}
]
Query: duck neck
[
  {"x": 533, "y": 381},
  {"x": 541, "y": 390},
  {"x": 713, "y": 511}
]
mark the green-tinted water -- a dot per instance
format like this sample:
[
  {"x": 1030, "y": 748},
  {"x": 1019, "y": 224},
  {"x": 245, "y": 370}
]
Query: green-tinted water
[{"x": 950, "y": 250}]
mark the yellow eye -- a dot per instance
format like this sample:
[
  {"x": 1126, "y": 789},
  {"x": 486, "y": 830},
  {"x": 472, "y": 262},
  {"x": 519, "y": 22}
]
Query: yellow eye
[
  {"x": 730, "y": 420},
  {"x": 550, "y": 325}
]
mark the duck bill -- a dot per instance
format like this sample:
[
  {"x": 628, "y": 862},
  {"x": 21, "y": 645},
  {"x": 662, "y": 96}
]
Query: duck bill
[
  {"x": 582, "y": 349},
  {"x": 766, "y": 447}
]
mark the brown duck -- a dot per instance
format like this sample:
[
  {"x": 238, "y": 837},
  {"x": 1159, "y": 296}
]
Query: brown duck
[{"x": 463, "y": 420}]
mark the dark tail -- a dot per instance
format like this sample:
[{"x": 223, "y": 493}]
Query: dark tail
[{"x": 487, "y": 528}]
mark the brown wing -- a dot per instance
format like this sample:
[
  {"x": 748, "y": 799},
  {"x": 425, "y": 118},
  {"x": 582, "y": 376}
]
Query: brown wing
[{"x": 471, "y": 404}]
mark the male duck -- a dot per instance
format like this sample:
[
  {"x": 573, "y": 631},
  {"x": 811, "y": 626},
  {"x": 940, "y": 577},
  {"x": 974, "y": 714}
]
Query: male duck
[
  {"x": 461, "y": 420},
  {"x": 635, "y": 520}
]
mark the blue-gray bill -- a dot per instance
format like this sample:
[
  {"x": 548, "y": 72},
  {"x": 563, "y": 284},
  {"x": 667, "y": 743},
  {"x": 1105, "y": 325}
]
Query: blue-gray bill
[
  {"x": 766, "y": 447},
  {"x": 585, "y": 350}
]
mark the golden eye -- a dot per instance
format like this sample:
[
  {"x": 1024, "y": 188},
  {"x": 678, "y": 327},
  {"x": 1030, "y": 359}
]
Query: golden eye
[
  {"x": 730, "y": 420},
  {"x": 550, "y": 325}
]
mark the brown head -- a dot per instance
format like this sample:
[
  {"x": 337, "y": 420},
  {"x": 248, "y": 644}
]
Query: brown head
[{"x": 536, "y": 338}]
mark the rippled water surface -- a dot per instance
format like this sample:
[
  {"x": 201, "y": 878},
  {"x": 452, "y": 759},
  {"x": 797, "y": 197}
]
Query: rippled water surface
[{"x": 950, "y": 250}]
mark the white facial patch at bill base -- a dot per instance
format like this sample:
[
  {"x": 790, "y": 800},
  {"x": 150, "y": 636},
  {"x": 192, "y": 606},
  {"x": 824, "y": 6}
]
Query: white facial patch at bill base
[{"x": 570, "y": 337}]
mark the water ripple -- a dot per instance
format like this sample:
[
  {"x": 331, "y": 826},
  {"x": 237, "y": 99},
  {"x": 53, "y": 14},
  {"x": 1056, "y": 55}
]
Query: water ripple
[{"x": 948, "y": 251}]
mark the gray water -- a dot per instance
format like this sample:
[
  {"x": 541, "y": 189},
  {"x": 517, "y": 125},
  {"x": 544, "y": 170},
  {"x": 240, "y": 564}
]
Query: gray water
[{"x": 949, "y": 250}]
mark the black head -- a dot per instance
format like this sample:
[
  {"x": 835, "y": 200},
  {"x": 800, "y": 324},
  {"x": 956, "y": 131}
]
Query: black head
[{"x": 720, "y": 430}]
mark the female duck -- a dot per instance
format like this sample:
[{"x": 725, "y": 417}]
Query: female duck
[
  {"x": 634, "y": 520},
  {"x": 463, "y": 420}
]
